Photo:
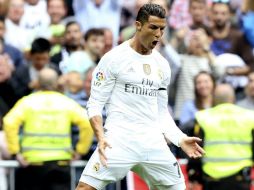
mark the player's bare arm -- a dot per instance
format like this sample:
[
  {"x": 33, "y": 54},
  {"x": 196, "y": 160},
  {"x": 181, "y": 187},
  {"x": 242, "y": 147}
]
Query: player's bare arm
[{"x": 96, "y": 123}]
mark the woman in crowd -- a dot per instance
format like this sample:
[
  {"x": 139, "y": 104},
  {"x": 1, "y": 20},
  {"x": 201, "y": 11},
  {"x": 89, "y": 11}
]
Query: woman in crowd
[{"x": 204, "y": 84}]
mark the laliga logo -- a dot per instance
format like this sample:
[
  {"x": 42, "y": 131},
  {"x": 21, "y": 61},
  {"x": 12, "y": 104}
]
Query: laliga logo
[{"x": 99, "y": 78}]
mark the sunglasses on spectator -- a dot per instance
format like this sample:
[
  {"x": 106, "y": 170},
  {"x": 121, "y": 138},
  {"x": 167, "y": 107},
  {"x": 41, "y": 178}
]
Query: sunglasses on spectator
[{"x": 221, "y": 1}]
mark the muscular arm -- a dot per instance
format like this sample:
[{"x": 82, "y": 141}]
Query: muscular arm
[{"x": 96, "y": 123}]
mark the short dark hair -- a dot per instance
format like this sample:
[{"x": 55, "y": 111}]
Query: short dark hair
[
  {"x": 40, "y": 45},
  {"x": 93, "y": 32},
  {"x": 72, "y": 22},
  {"x": 221, "y": 3},
  {"x": 150, "y": 9}
]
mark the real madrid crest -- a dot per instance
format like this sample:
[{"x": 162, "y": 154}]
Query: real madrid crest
[{"x": 147, "y": 69}]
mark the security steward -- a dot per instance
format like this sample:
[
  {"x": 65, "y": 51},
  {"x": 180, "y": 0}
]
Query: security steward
[
  {"x": 44, "y": 149},
  {"x": 228, "y": 142}
]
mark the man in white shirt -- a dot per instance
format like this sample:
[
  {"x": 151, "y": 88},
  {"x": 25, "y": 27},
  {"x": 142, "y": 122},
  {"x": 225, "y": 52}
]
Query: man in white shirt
[
  {"x": 131, "y": 82},
  {"x": 36, "y": 18},
  {"x": 106, "y": 12},
  {"x": 21, "y": 41}
]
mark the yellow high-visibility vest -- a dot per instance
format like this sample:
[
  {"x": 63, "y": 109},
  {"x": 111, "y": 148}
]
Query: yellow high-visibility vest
[
  {"x": 228, "y": 139},
  {"x": 47, "y": 118}
]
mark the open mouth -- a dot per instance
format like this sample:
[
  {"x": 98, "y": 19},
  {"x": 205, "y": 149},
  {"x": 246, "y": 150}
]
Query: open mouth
[{"x": 155, "y": 42}]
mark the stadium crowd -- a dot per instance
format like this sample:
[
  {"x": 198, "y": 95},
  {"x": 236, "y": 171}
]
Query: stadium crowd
[{"x": 54, "y": 45}]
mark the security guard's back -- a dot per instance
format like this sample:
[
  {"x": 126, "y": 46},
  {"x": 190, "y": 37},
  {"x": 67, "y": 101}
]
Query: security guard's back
[
  {"x": 47, "y": 117},
  {"x": 227, "y": 131}
]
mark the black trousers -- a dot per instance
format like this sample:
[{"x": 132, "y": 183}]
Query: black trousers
[
  {"x": 49, "y": 176},
  {"x": 240, "y": 181}
]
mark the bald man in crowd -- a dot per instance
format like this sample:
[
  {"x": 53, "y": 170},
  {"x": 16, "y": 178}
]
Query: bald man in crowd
[{"x": 228, "y": 143}]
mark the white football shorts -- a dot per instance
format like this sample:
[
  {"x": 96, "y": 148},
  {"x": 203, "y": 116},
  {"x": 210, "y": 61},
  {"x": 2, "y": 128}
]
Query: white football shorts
[{"x": 152, "y": 160}]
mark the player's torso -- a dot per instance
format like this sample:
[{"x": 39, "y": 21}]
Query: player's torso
[{"x": 136, "y": 89}]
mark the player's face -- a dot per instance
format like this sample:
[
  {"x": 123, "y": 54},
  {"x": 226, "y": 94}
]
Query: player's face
[{"x": 151, "y": 31}]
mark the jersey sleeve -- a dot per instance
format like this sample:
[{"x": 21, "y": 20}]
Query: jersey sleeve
[
  {"x": 167, "y": 124},
  {"x": 103, "y": 82}
]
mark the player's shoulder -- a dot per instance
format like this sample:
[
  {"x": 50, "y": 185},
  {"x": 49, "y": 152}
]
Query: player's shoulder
[
  {"x": 115, "y": 57},
  {"x": 117, "y": 52}
]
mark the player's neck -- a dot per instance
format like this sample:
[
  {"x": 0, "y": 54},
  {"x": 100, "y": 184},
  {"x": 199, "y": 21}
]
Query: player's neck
[{"x": 138, "y": 47}]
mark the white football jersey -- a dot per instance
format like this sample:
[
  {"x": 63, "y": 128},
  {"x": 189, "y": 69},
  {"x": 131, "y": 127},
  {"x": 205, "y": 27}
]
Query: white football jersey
[{"x": 132, "y": 87}]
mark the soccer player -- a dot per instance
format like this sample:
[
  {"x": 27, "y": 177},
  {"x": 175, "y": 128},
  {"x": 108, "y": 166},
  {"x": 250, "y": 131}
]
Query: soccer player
[{"x": 131, "y": 82}]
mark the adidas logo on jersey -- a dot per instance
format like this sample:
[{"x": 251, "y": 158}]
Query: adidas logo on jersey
[{"x": 130, "y": 70}]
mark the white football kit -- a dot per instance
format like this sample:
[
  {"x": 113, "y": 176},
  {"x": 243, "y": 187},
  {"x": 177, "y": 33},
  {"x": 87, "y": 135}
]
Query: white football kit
[{"x": 132, "y": 87}]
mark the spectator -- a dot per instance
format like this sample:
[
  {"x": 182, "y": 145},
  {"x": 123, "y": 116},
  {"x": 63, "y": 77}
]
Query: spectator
[
  {"x": 74, "y": 88},
  {"x": 108, "y": 38},
  {"x": 198, "y": 13},
  {"x": 45, "y": 149},
  {"x": 204, "y": 84},
  {"x": 247, "y": 19},
  {"x": 4, "y": 7},
  {"x": 227, "y": 39},
  {"x": 248, "y": 101},
  {"x": 73, "y": 42},
  {"x": 199, "y": 58},
  {"x": 94, "y": 44},
  {"x": 14, "y": 54},
  {"x": 227, "y": 131},
  {"x": 6, "y": 92},
  {"x": 87, "y": 81},
  {"x": 57, "y": 10},
  {"x": 179, "y": 14},
  {"x": 14, "y": 15},
  {"x": 35, "y": 18},
  {"x": 25, "y": 78},
  {"x": 106, "y": 12},
  {"x": 81, "y": 61},
  {"x": 227, "y": 63}
]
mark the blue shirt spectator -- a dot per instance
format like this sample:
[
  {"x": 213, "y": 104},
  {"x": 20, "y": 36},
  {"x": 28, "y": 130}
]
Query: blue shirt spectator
[
  {"x": 15, "y": 55},
  {"x": 188, "y": 112}
]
